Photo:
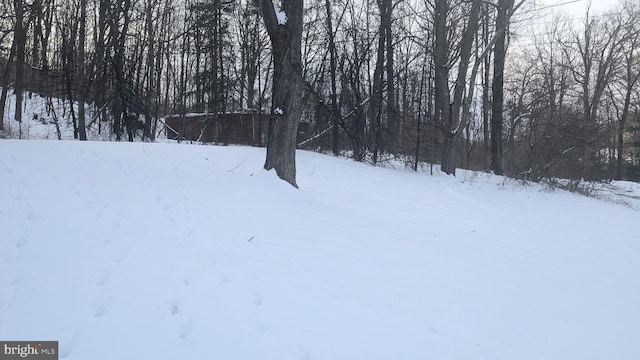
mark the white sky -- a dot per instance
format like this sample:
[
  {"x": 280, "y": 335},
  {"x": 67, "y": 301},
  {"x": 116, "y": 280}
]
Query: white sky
[
  {"x": 579, "y": 7},
  {"x": 538, "y": 14}
]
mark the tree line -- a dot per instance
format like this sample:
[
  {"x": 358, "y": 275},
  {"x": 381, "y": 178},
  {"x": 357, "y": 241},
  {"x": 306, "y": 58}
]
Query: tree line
[{"x": 493, "y": 85}]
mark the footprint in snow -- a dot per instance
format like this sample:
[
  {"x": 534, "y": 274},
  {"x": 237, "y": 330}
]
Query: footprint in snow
[
  {"x": 260, "y": 326},
  {"x": 16, "y": 280},
  {"x": 66, "y": 345},
  {"x": 257, "y": 299},
  {"x": 22, "y": 240},
  {"x": 174, "y": 304},
  {"x": 117, "y": 258},
  {"x": 100, "y": 310},
  {"x": 174, "y": 307},
  {"x": 101, "y": 211},
  {"x": 100, "y": 307},
  {"x": 101, "y": 278},
  {"x": 185, "y": 330},
  {"x": 29, "y": 213},
  {"x": 303, "y": 354}
]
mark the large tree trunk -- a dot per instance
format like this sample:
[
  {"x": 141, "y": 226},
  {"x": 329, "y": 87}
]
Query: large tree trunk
[
  {"x": 21, "y": 43},
  {"x": 505, "y": 8},
  {"x": 486, "y": 78},
  {"x": 286, "y": 108},
  {"x": 454, "y": 124},
  {"x": 375, "y": 107},
  {"x": 4, "y": 84},
  {"x": 82, "y": 128},
  {"x": 392, "y": 121},
  {"x": 333, "y": 69},
  {"x": 441, "y": 85}
]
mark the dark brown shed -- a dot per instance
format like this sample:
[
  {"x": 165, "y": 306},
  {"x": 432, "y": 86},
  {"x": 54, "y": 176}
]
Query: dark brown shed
[
  {"x": 242, "y": 128},
  {"x": 239, "y": 128}
]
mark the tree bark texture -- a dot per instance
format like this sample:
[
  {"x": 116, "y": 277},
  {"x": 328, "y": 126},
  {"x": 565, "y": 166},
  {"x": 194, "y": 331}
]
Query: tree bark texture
[
  {"x": 455, "y": 124},
  {"x": 441, "y": 85},
  {"x": 499, "y": 54},
  {"x": 82, "y": 128},
  {"x": 21, "y": 43},
  {"x": 286, "y": 108}
]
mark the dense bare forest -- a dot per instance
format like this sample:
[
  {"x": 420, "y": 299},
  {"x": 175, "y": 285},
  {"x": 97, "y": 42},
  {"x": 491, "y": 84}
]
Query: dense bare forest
[{"x": 498, "y": 85}]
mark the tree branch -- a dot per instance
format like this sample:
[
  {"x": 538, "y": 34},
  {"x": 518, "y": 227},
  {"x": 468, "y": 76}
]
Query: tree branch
[{"x": 269, "y": 15}]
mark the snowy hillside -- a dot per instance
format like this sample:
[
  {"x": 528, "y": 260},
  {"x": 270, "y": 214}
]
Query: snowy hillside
[
  {"x": 48, "y": 118},
  {"x": 166, "y": 251}
]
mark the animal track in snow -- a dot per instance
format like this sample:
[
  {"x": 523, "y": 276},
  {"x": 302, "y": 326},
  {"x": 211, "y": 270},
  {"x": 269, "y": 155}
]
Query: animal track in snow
[
  {"x": 22, "y": 240},
  {"x": 101, "y": 278},
  {"x": 260, "y": 326},
  {"x": 117, "y": 258},
  {"x": 66, "y": 345},
  {"x": 257, "y": 299},
  {"x": 185, "y": 329},
  {"x": 174, "y": 304},
  {"x": 174, "y": 309},
  {"x": 100, "y": 308},
  {"x": 101, "y": 211}
]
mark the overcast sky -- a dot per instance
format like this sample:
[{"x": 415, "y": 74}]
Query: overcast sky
[
  {"x": 535, "y": 22},
  {"x": 579, "y": 7}
]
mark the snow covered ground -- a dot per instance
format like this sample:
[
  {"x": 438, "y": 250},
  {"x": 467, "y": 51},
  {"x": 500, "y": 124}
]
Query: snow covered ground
[
  {"x": 48, "y": 118},
  {"x": 167, "y": 251}
]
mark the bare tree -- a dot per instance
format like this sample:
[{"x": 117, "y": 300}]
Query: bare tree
[
  {"x": 592, "y": 57},
  {"x": 441, "y": 63},
  {"x": 20, "y": 39},
  {"x": 285, "y": 31},
  {"x": 629, "y": 79},
  {"x": 505, "y": 8},
  {"x": 5, "y": 83},
  {"x": 82, "y": 98},
  {"x": 252, "y": 45},
  {"x": 333, "y": 73},
  {"x": 453, "y": 125}
]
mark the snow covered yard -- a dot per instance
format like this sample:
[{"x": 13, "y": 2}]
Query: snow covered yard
[{"x": 134, "y": 250}]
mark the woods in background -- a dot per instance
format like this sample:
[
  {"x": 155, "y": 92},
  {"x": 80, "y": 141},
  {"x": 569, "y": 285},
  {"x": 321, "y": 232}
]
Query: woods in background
[{"x": 483, "y": 85}]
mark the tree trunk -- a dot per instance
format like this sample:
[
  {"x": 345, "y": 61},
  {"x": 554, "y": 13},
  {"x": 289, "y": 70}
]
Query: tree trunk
[
  {"x": 500, "y": 50},
  {"x": 21, "y": 43},
  {"x": 392, "y": 121},
  {"x": 4, "y": 84},
  {"x": 152, "y": 89},
  {"x": 333, "y": 69},
  {"x": 286, "y": 108},
  {"x": 486, "y": 106},
  {"x": 441, "y": 86},
  {"x": 82, "y": 128},
  {"x": 375, "y": 108},
  {"x": 419, "y": 122},
  {"x": 454, "y": 125}
]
